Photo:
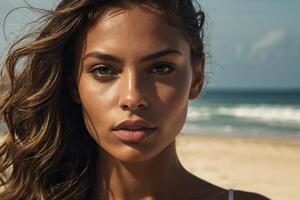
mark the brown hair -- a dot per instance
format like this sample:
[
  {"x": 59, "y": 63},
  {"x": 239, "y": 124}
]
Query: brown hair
[{"x": 47, "y": 153}]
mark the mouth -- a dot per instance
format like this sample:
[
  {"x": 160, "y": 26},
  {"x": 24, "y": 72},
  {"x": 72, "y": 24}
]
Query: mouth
[
  {"x": 134, "y": 136},
  {"x": 133, "y": 131}
]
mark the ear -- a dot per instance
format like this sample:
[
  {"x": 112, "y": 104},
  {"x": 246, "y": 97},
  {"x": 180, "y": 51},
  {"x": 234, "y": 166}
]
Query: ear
[
  {"x": 73, "y": 90},
  {"x": 198, "y": 78}
]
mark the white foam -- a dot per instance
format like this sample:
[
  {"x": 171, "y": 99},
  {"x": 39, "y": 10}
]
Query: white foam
[
  {"x": 195, "y": 113},
  {"x": 267, "y": 113}
]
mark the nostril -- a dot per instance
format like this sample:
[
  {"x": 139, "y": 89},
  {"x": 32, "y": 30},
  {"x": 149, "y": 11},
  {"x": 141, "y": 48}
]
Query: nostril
[
  {"x": 125, "y": 107},
  {"x": 133, "y": 107},
  {"x": 141, "y": 106}
]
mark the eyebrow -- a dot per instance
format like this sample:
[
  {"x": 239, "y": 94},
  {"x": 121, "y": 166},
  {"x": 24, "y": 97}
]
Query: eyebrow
[{"x": 155, "y": 55}]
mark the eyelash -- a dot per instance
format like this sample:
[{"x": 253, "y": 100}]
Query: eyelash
[{"x": 99, "y": 67}]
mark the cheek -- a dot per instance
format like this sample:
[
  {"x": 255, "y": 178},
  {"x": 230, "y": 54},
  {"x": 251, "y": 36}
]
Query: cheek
[
  {"x": 174, "y": 98},
  {"x": 175, "y": 91},
  {"x": 96, "y": 103}
]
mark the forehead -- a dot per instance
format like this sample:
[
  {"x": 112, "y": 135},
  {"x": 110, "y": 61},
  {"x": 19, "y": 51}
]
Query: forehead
[{"x": 135, "y": 30}]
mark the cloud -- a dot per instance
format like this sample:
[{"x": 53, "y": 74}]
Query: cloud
[
  {"x": 269, "y": 40},
  {"x": 275, "y": 47},
  {"x": 272, "y": 43}
]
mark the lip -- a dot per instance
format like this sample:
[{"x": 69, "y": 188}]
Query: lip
[
  {"x": 128, "y": 136},
  {"x": 133, "y": 131},
  {"x": 133, "y": 124}
]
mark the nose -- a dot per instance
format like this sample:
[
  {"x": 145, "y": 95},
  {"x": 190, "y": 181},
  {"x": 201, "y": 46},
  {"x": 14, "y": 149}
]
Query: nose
[{"x": 132, "y": 95}]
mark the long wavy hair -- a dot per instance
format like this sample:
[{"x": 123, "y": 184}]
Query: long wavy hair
[{"x": 47, "y": 152}]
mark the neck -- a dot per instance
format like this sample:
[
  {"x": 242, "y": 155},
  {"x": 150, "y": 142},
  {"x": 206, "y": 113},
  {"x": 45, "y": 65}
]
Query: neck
[{"x": 156, "y": 178}]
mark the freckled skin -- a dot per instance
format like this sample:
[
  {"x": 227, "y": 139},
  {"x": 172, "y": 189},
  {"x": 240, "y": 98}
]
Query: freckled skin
[{"x": 132, "y": 89}]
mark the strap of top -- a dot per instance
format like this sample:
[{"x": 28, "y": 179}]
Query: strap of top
[{"x": 230, "y": 194}]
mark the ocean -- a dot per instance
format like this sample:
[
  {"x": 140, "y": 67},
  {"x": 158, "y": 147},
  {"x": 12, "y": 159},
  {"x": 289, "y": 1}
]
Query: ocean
[{"x": 245, "y": 112}]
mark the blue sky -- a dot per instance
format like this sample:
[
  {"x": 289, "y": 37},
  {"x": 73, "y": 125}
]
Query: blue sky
[{"x": 251, "y": 44}]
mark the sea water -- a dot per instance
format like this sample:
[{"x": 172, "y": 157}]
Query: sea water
[
  {"x": 243, "y": 113},
  {"x": 258, "y": 112}
]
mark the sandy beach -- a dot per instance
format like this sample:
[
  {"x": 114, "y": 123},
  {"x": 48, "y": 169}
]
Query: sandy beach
[{"x": 270, "y": 166}]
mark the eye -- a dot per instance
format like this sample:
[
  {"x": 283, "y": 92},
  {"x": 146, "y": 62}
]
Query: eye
[
  {"x": 162, "y": 68},
  {"x": 102, "y": 70}
]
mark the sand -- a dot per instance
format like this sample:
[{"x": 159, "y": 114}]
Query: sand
[{"x": 269, "y": 166}]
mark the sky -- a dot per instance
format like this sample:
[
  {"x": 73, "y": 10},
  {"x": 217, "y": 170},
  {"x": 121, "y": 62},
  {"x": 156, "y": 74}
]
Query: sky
[{"x": 249, "y": 44}]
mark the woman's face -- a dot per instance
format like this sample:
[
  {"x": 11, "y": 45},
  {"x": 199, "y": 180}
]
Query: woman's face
[{"x": 135, "y": 66}]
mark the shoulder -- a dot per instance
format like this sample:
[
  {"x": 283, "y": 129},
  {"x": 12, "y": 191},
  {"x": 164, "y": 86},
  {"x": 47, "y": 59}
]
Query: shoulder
[
  {"x": 243, "y": 195},
  {"x": 238, "y": 195},
  {"x": 200, "y": 189}
]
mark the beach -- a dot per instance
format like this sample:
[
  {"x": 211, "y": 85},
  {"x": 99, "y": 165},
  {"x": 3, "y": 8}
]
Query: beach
[{"x": 269, "y": 166}]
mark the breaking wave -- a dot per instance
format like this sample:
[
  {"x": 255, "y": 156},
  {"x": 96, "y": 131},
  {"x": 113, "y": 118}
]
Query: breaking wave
[{"x": 267, "y": 113}]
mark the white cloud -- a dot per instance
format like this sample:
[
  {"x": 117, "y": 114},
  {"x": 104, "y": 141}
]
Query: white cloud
[{"x": 269, "y": 40}]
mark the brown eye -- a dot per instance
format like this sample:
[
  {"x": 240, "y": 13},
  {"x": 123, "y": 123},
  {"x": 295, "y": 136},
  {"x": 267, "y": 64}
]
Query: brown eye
[{"x": 162, "y": 68}]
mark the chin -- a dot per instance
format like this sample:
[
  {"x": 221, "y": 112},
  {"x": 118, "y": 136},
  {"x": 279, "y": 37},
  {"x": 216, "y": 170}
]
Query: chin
[{"x": 133, "y": 153}]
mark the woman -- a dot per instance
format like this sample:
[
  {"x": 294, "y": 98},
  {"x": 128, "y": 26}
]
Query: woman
[{"x": 102, "y": 94}]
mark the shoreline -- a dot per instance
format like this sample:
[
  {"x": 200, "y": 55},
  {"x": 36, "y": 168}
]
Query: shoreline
[{"x": 242, "y": 133}]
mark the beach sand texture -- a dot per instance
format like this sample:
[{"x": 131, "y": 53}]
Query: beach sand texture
[{"x": 270, "y": 166}]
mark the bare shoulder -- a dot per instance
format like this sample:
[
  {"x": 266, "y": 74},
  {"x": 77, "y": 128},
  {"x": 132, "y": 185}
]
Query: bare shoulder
[
  {"x": 243, "y": 195},
  {"x": 200, "y": 189}
]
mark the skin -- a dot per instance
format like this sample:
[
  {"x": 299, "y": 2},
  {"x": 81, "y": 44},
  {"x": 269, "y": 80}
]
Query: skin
[{"x": 133, "y": 88}]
